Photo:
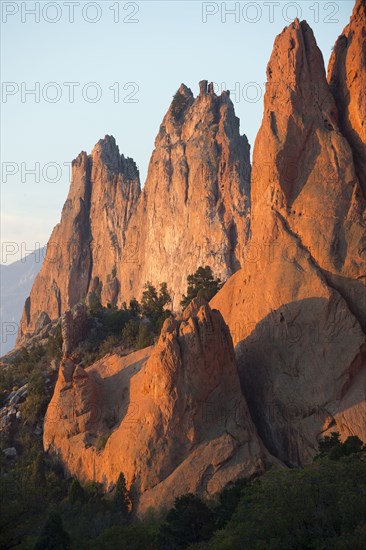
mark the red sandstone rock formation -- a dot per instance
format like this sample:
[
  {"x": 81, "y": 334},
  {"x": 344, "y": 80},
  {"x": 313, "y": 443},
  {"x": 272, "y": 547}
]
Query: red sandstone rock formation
[
  {"x": 347, "y": 79},
  {"x": 297, "y": 310},
  {"x": 175, "y": 414},
  {"x": 194, "y": 210},
  {"x": 85, "y": 246}
]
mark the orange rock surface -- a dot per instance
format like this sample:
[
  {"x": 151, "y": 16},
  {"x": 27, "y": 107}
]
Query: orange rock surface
[
  {"x": 188, "y": 414},
  {"x": 297, "y": 309},
  {"x": 176, "y": 417},
  {"x": 85, "y": 246},
  {"x": 194, "y": 210},
  {"x": 347, "y": 80}
]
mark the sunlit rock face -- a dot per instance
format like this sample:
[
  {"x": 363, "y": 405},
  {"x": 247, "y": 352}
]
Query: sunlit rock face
[
  {"x": 172, "y": 418},
  {"x": 297, "y": 309},
  {"x": 347, "y": 81},
  {"x": 295, "y": 306},
  {"x": 86, "y": 245},
  {"x": 194, "y": 210}
]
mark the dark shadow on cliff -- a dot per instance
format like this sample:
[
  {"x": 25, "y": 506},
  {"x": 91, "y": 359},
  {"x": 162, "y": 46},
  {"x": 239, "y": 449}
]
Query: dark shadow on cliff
[
  {"x": 297, "y": 362},
  {"x": 116, "y": 404},
  {"x": 297, "y": 160},
  {"x": 353, "y": 291},
  {"x": 343, "y": 98}
]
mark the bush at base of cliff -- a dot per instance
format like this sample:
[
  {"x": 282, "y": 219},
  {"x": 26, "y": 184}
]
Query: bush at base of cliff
[
  {"x": 331, "y": 446},
  {"x": 320, "y": 506},
  {"x": 145, "y": 337},
  {"x": 190, "y": 521},
  {"x": 203, "y": 284},
  {"x": 53, "y": 535},
  {"x": 122, "y": 501},
  {"x": 153, "y": 305},
  {"x": 130, "y": 332}
]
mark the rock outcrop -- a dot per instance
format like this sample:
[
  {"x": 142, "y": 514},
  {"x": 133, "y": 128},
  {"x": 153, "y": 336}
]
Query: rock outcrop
[
  {"x": 84, "y": 247},
  {"x": 195, "y": 204},
  {"x": 347, "y": 79},
  {"x": 194, "y": 210},
  {"x": 172, "y": 418},
  {"x": 297, "y": 309},
  {"x": 73, "y": 328}
]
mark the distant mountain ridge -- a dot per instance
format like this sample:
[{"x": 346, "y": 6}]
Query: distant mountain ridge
[{"x": 16, "y": 281}]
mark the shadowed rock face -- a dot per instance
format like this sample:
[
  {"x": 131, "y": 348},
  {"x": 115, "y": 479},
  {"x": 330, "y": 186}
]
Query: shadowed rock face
[
  {"x": 73, "y": 327},
  {"x": 194, "y": 210},
  {"x": 297, "y": 309},
  {"x": 347, "y": 80},
  {"x": 177, "y": 420}
]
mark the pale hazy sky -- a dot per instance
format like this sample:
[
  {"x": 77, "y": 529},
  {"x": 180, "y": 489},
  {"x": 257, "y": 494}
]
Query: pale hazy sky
[{"x": 134, "y": 56}]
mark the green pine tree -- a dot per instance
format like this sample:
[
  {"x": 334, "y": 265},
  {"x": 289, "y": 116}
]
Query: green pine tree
[
  {"x": 76, "y": 492},
  {"x": 122, "y": 501},
  {"x": 189, "y": 522},
  {"x": 53, "y": 536},
  {"x": 153, "y": 304},
  {"x": 201, "y": 283}
]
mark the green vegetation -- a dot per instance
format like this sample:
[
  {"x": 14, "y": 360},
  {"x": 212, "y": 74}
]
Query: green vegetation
[
  {"x": 189, "y": 521},
  {"x": 153, "y": 305},
  {"x": 122, "y": 501},
  {"x": 179, "y": 106},
  {"x": 201, "y": 284},
  {"x": 31, "y": 361},
  {"x": 36, "y": 402},
  {"x": 145, "y": 337},
  {"x": 320, "y": 506},
  {"x": 332, "y": 447},
  {"x": 53, "y": 534},
  {"x": 134, "y": 326},
  {"x": 135, "y": 536},
  {"x": 94, "y": 303},
  {"x": 317, "y": 507},
  {"x": 131, "y": 331},
  {"x": 228, "y": 501},
  {"x": 76, "y": 492}
]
